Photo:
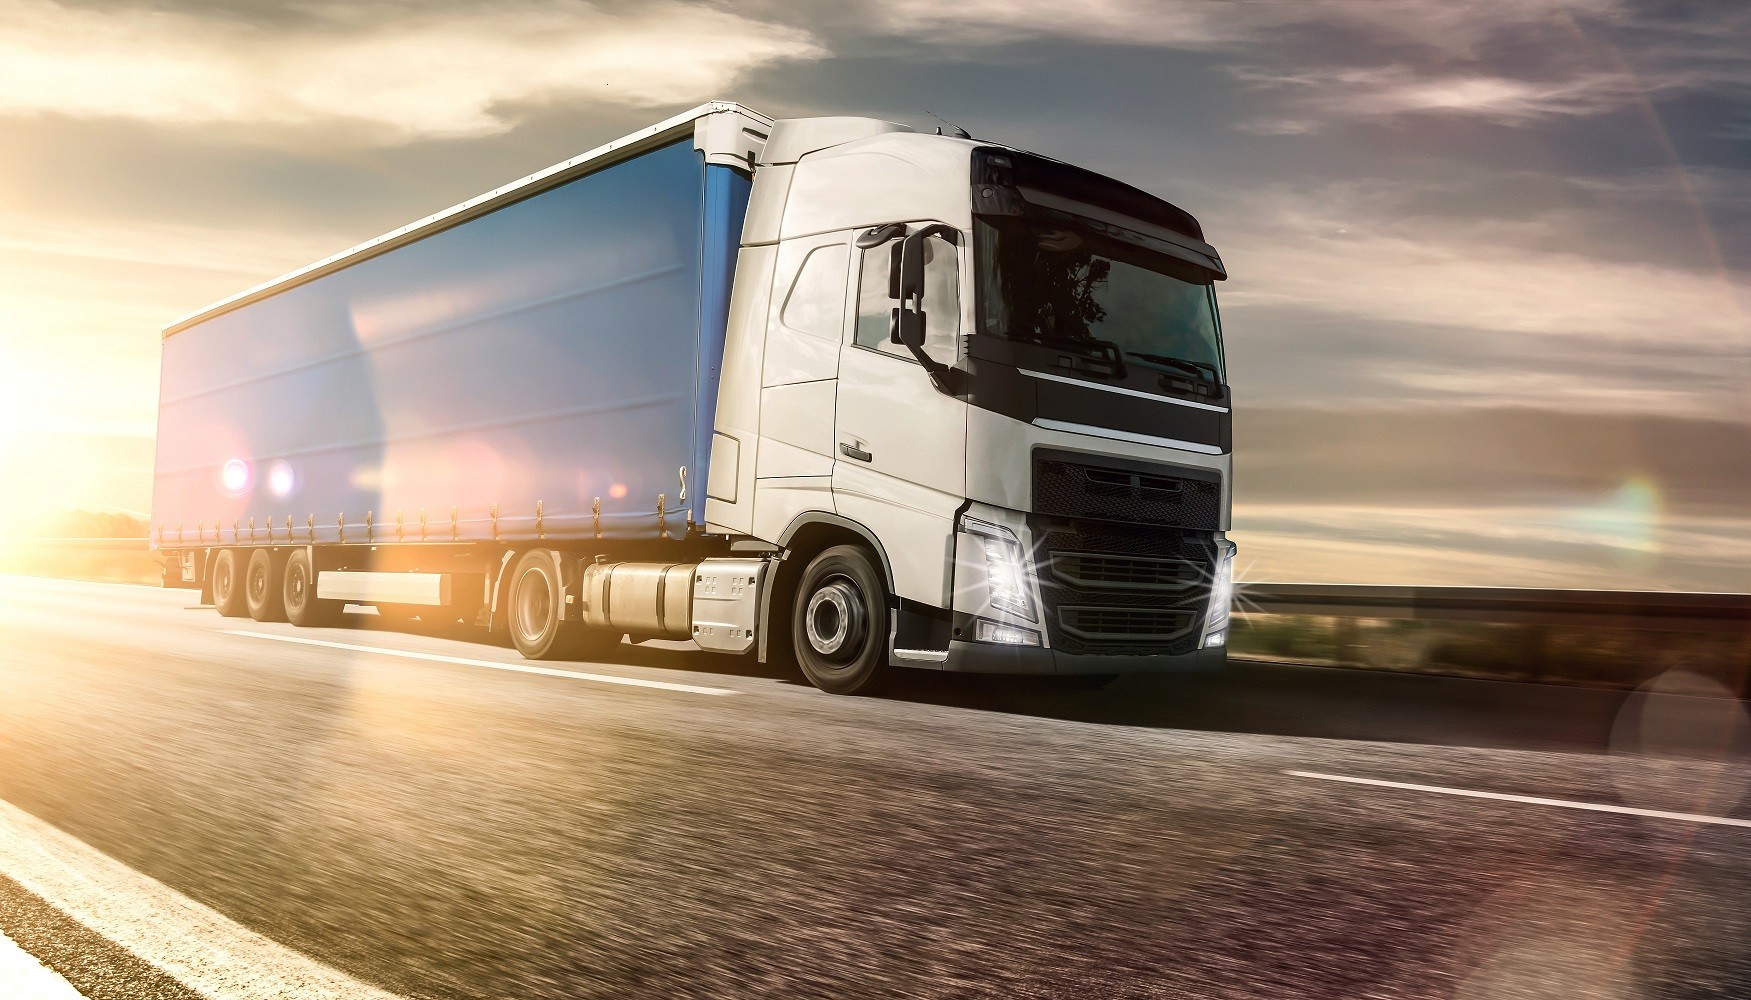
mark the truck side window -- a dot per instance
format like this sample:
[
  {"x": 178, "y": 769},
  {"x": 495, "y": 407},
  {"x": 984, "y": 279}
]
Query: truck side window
[
  {"x": 816, "y": 303},
  {"x": 942, "y": 302}
]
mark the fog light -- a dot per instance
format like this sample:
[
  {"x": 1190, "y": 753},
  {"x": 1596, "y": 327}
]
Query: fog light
[
  {"x": 1216, "y": 638},
  {"x": 1010, "y": 635}
]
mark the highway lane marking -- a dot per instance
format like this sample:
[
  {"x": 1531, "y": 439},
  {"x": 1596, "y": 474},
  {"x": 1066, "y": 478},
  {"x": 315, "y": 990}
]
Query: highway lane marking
[
  {"x": 518, "y": 668},
  {"x": 1526, "y": 799},
  {"x": 25, "y": 978},
  {"x": 69, "y": 583},
  {"x": 199, "y": 947}
]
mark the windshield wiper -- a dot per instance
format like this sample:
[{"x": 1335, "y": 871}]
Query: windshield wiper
[
  {"x": 1103, "y": 349},
  {"x": 1203, "y": 370}
]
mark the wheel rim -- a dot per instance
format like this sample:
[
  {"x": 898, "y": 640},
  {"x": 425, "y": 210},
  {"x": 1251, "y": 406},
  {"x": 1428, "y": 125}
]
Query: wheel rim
[
  {"x": 534, "y": 605},
  {"x": 835, "y": 622},
  {"x": 222, "y": 581},
  {"x": 295, "y": 584},
  {"x": 258, "y": 584}
]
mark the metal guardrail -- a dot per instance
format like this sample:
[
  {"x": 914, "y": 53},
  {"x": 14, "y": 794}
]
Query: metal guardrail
[{"x": 1641, "y": 610}]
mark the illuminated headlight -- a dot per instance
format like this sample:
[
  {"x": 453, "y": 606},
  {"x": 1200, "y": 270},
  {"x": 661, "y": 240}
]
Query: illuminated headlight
[
  {"x": 1006, "y": 575},
  {"x": 1012, "y": 635},
  {"x": 1221, "y": 598}
]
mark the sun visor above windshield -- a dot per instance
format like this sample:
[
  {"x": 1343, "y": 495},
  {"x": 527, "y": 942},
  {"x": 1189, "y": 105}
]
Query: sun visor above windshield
[
  {"x": 1127, "y": 230},
  {"x": 1009, "y": 182}
]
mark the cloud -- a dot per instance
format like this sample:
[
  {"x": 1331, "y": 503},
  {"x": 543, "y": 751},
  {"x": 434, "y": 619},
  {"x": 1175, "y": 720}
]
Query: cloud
[
  {"x": 237, "y": 253},
  {"x": 1450, "y": 25},
  {"x": 1346, "y": 289},
  {"x": 1512, "y": 62},
  {"x": 1128, "y": 22},
  {"x": 1341, "y": 249},
  {"x": 1461, "y": 27},
  {"x": 436, "y": 72},
  {"x": 1394, "y": 91},
  {"x": 1507, "y": 383}
]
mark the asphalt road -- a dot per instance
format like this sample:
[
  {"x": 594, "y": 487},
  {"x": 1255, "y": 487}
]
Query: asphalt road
[{"x": 442, "y": 828}]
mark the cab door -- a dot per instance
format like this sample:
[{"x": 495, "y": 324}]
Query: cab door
[
  {"x": 799, "y": 378},
  {"x": 900, "y": 465}
]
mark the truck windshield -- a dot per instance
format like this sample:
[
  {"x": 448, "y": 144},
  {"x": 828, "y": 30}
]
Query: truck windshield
[{"x": 1058, "y": 285}]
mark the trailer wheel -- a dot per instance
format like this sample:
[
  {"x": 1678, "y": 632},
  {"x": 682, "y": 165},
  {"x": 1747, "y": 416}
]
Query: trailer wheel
[
  {"x": 536, "y": 615},
  {"x": 228, "y": 584},
  {"x": 263, "y": 588},
  {"x": 298, "y": 594},
  {"x": 839, "y": 622}
]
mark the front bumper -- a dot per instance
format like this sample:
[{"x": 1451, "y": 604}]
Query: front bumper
[{"x": 994, "y": 658}]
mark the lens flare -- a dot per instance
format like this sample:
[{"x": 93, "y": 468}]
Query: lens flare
[
  {"x": 1626, "y": 523},
  {"x": 281, "y": 479},
  {"x": 234, "y": 477}
]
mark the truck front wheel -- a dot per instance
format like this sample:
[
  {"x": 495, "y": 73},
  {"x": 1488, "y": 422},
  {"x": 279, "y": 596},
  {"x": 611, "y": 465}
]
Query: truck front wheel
[
  {"x": 228, "y": 584},
  {"x": 839, "y": 622}
]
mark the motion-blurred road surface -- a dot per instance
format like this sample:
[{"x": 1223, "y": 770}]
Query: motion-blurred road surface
[{"x": 391, "y": 808}]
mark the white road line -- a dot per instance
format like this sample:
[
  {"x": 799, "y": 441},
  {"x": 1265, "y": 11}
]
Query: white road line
[
  {"x": 199, "y": 947},
  {"x": 25, "y": 978},
  {"x": 519, "y": 668},
  {"x": 1527, "y": 799},
  {"x": 69, "y": 583}
]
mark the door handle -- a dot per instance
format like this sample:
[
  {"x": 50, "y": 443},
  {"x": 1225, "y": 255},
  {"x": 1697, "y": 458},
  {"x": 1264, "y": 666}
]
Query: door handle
[{"x": 853, "y": 451}]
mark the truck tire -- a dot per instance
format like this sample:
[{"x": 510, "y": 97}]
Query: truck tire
[
  {"x": 264, "y": 586},
  {"x": 839, "y": 622},
  {"x": 228, "y": 584},
  {"x": 298, "y": 594},
  {"x": 535, "y": 615}
]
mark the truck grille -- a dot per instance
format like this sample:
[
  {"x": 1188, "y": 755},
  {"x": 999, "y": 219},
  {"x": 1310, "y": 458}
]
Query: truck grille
[
  {"x": 1119, "y": 589},
  {"x": 1125, "y": 624},
  {"x": 1185, "y": 498},
  {"x": 1098, "y": 571}
]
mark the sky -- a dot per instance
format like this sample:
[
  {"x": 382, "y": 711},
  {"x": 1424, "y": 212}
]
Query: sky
[{"x": 1488, "y": 320}]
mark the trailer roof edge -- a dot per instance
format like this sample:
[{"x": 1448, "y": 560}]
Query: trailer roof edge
[{"x": 625, "y": 147}]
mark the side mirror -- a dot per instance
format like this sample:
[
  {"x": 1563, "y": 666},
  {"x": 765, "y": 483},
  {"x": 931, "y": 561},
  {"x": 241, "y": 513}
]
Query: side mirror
[
  {"x": 906, "y": 321},
  {"x": 906, "y": 283}
]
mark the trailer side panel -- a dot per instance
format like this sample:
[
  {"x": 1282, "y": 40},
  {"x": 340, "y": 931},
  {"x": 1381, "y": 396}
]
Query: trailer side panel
[{"x": 557, "y": 350}]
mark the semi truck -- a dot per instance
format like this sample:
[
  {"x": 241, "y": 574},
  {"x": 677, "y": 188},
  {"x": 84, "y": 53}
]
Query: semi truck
[{"x": 824, "y": 389}]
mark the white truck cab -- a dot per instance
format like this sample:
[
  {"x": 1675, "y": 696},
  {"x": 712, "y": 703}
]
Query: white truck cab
[{"x": 1004, "y": 372}]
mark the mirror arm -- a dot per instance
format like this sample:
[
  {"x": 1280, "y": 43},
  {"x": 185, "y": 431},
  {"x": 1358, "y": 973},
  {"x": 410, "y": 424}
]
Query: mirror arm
[{"x": 946, "y": 378}]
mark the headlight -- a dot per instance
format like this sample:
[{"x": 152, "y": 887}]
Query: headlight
[
  {"x": 1005, "y": 571},
  {"x": 1221, "y": 598}
]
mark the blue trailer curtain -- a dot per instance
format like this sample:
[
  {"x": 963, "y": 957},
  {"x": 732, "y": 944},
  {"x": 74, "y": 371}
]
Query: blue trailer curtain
[{"x": 558, "y": 350}]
